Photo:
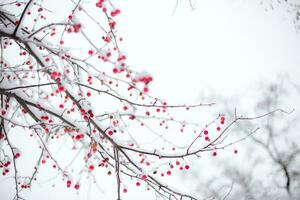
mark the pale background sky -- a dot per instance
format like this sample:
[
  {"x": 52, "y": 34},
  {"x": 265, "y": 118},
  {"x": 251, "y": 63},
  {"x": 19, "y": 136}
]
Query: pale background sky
[
  {"x": 223, "y": 44},
  {"x": 226, "y": 45}
]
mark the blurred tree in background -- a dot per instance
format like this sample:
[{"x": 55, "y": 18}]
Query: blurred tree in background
[{"x": 269, "y": 163}]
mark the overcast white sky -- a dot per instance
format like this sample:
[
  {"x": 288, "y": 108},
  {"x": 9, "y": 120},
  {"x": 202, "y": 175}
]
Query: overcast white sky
[{"x": 222, "y": 44}]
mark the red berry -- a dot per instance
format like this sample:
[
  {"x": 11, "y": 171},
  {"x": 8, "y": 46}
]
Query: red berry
[
  {"x": 69, "y": 183},
  {"x": 146, "y": 89},
  {"x": 90, "y": 52},
  {"x": 61, "y": 88},
  {"x": 76, "y": 186},
  {"x": 222, "y": 118},
  {"x": 110, "y": 132},
  {"x": 144, "y": 177},
  {"x": 91, "y": 167},
  {"x": 17, "y": 155},
  {"x": 115, "y": 70}
]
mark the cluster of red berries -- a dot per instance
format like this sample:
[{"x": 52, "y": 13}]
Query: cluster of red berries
[
  {"x": 99, "y": 4},
  {"x": 76, "y": 186},
  {"x": 5, "y": 167},
  {"x": 115, "y": 12},
  {"x": 55, "y": 76},
  {"x": 25, "y": 186}
]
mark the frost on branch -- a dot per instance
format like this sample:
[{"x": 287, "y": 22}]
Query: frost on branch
[{"x": 68, "y": 80}]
